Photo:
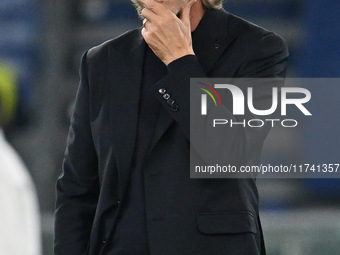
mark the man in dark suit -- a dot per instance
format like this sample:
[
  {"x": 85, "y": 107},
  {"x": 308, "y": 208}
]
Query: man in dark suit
[{"x": 125, "y": 187}]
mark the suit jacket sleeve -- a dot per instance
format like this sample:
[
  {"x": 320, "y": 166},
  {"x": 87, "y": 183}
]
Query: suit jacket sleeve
[
  {"x": 267, "y": 58},
  {"x": 78, "y": 186}
]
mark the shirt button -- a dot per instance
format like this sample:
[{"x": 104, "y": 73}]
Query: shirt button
[
  {"x": 174, "y": 107},
  {"x": 161, "y": 91}
]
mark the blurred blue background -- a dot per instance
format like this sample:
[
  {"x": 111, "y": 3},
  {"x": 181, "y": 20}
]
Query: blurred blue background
[{"x": 43, "y": 42}]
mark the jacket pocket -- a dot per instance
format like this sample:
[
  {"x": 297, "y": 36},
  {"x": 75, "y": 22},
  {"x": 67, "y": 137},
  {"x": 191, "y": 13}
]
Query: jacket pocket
[{"x": 226, "y": 222}]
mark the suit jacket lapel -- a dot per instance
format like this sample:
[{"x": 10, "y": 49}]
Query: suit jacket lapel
[{"x": 125, "y": 73}]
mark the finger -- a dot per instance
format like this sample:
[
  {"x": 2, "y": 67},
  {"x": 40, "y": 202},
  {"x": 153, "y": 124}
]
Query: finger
[
  {"x": 147, "y": 24},
  {"x": 149, "y": 15},
  {"x": 143, "y": 32},
  {"x": 185, "y": 15},
  {"x": 147, "y": 36},
  {"x": 153, "y": 6}
]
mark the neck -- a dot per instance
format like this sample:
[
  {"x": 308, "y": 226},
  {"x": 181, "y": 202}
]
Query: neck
[{"x": 196, "y": 14}]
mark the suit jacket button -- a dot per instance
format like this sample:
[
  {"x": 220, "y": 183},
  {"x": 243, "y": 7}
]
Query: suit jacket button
[
  {"x": 170, "y": 101},
  {"x": 174, "y": 107},
  {"x": 161, "y": 91},
  {"x": 166, "y": 96}
]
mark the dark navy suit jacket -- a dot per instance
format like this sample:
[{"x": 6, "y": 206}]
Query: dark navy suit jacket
[{"x": 184, "y": 216}]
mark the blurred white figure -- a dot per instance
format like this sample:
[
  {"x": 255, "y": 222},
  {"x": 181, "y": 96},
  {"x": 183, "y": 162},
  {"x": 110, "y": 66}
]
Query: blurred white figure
[
  {"x": 20, "y": 232},
  {"x": 19, "y": 213}
]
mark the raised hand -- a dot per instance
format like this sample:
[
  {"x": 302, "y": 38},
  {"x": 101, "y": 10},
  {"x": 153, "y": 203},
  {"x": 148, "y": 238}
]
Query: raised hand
[{"x": 166, "y": 34}]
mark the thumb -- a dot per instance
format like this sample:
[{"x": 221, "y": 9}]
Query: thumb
[{"x": 185, "y": 15}]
